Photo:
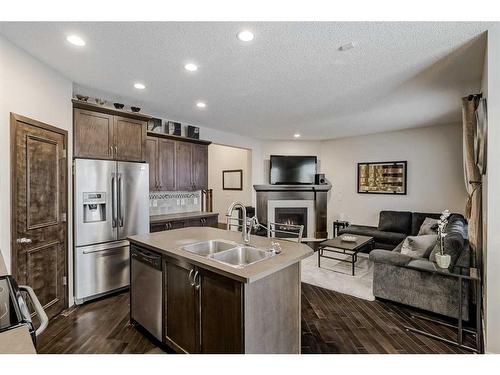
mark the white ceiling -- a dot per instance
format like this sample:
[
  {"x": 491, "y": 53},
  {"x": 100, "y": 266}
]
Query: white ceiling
[{"x": 291, "y": 78}]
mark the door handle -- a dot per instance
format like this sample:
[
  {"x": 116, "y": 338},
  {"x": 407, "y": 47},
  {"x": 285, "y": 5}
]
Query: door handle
[
  {"x": 116, "y": 150},
  {"x": 120, "y": 203},
  {"x": 111, "y": 151},
  {"x": 191, "y": 281},
  {"x": 113, "y": 194},
  {"x": 24, "y": 240},
  {"x": 196, "y": 284}
]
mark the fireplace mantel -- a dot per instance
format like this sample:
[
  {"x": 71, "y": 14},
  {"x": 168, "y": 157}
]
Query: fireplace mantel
[
  {"x": 316, "y": 193},
  {"x": 325, "y": 187}
]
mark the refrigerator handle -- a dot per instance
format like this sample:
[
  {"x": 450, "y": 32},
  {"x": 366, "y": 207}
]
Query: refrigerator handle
[
  {"x": 120, "y": 203},
  {"x": 113, "y": 201}
]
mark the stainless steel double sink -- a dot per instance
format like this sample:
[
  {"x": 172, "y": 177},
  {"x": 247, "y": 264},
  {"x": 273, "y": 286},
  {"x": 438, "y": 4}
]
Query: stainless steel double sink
[{"x": 230, "y": 253}]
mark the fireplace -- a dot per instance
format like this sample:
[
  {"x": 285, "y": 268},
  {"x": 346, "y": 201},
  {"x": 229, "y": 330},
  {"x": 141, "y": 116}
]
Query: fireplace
[
  {"x": 291, "y": 215},
  {"x": 300, "y": 198}
]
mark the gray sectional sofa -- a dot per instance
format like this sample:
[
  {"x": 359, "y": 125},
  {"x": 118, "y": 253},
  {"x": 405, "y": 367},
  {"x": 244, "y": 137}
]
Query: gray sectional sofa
[
  {"x": 411, "y": 281},
  {"x": 392, "y": 229}
]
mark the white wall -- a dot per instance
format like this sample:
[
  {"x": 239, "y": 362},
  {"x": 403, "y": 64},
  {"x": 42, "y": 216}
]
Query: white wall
[
  {"x": 435, "y": 172},
  {"x": 226, "y": 158},
  {"x": 32, "y": 89},
  {"x": 491, "y": 88}
]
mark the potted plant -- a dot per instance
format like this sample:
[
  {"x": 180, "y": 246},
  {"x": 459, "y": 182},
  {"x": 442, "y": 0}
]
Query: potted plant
[{"x": 443, "y": 260}]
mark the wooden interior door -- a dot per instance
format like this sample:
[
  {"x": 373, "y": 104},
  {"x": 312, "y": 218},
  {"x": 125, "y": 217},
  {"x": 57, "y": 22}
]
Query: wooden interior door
[
  {"x": 93, "y": 134},
  {"x": 128, "y": 136},
  {"x": 39, "y": 209},
  {"x": 166, "y": 164}
]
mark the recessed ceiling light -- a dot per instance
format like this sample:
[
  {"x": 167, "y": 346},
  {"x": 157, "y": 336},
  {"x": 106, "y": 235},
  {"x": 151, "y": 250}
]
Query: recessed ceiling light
[
  {"x": 245, "y": 36},
  {"x": 347, "y": 46},
  {"x": 75, "y": 40},
  {"x": 296, "y": 135},
  {"x": 201, "y": 104},
  {"x": 191, "y": 67},
  {"x": 139, "y": 86}
]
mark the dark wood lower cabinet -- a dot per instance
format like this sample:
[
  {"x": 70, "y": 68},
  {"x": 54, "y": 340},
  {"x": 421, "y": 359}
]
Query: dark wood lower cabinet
[
  {"x": 207, "y": 312},
  {"x": 209, "y": 221},
  {"x": 181, "y": 306},
  {"x": 221, "y": 314},
  {"x": 203, "y": 310}
]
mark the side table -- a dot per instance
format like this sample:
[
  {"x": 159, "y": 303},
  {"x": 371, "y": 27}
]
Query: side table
[{"x": 339, "y": 224}]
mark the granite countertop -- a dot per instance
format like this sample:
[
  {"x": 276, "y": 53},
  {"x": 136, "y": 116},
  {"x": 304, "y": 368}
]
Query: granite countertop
[
  {"x": 180, "y": 216},
  {"x": 169, "y": 243},
  {"x": 17, "y": 340}
]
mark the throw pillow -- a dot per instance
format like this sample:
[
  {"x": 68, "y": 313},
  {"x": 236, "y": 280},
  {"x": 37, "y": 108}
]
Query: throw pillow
[
  {"x": 429, "y": 226},
  {"x": 419, "y": 246},
  {"x": 395, "y": 221}
]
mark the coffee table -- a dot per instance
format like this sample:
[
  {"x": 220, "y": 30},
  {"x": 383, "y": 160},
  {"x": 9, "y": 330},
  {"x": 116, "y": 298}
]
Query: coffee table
[{"x": 338, "y": 246}]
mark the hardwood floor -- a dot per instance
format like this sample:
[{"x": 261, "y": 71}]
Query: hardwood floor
[
  {"x": 338, "y": 323},
  {"x": 97, "y": 327},
  {"x": 331, "y": 323}
]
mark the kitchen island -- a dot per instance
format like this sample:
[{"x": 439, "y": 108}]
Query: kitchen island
[{"x": 219, "y": 297}]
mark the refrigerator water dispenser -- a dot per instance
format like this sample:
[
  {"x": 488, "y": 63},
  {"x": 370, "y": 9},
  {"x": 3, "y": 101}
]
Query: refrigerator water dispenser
[{"x": 94, "y": 207}]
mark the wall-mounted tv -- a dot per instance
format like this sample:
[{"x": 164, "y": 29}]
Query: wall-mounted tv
[{"x": 292, "y": 170}]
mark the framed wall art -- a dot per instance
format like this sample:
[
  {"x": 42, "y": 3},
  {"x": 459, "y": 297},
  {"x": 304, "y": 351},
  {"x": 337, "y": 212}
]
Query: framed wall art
[
  {"x": 232, "y": 179},
  {"x": 388, "y": 177}
]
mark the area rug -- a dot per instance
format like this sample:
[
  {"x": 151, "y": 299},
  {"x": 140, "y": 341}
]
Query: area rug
[{"x": 335, "y": 275}]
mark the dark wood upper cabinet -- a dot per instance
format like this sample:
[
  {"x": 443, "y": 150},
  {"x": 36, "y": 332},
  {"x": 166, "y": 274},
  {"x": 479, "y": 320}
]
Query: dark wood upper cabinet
[
  {"x": 184, "y": 166},
  {"x": 93, "y": 134},
  {"x": 128, "y": 137},
  {"x": 166, "y": 165},
  {"x": 199, "y": 166},
  {"x": 104, "y": 133},
  {"x": 181, "y": 306},
  {"x": 151, "y": 157}
]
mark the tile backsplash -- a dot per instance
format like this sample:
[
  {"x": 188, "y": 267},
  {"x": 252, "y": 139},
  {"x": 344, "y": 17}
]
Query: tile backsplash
[{"x": 174, "y": 202}]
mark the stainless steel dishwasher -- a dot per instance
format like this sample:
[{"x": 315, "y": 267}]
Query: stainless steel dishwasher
[{"x": 146, "y": 290}]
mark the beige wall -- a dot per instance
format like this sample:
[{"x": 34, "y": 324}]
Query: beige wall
[
  {"x": 225, "y": 158},
  {"x": 295, "y": 147},
  {"x": 491, "y": 89},
  {"x": 435, "y": 174},
  {"x": 32, "y": 89}
]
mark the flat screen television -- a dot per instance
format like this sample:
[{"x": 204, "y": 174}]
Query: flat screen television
[{"x": 292, "y": 170}]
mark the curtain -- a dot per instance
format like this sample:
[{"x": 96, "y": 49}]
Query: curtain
[{"x": 472, "y": 178}]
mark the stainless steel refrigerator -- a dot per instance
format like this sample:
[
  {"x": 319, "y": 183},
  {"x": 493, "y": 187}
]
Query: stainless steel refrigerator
[{"x": 111, "y": 202}]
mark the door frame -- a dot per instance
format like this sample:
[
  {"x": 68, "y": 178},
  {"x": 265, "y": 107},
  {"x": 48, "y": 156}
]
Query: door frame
[{"x": 14, "y": 118}]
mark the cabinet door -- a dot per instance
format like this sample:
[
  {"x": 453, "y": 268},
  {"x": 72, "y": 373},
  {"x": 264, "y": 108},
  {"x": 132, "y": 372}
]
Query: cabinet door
[
  {"x": 183, "y": 161},
  {"x": 166, "y": 164},
  {"x": 177, "y": 224},
  {"x": 181, "y": 309},
  {"x": 211, "y": 221},
  {"x": 200, "y": 166},
  {"x": 128, "y": 136},
  {"x": 157, "y": 228},
  {"x": 221, "y": 313},
  {"x": 93, "y": 134},
  {"x": 151, "y": 157}
]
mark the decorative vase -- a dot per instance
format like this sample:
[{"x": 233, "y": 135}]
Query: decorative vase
[{"x": 443, "y": 260}]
